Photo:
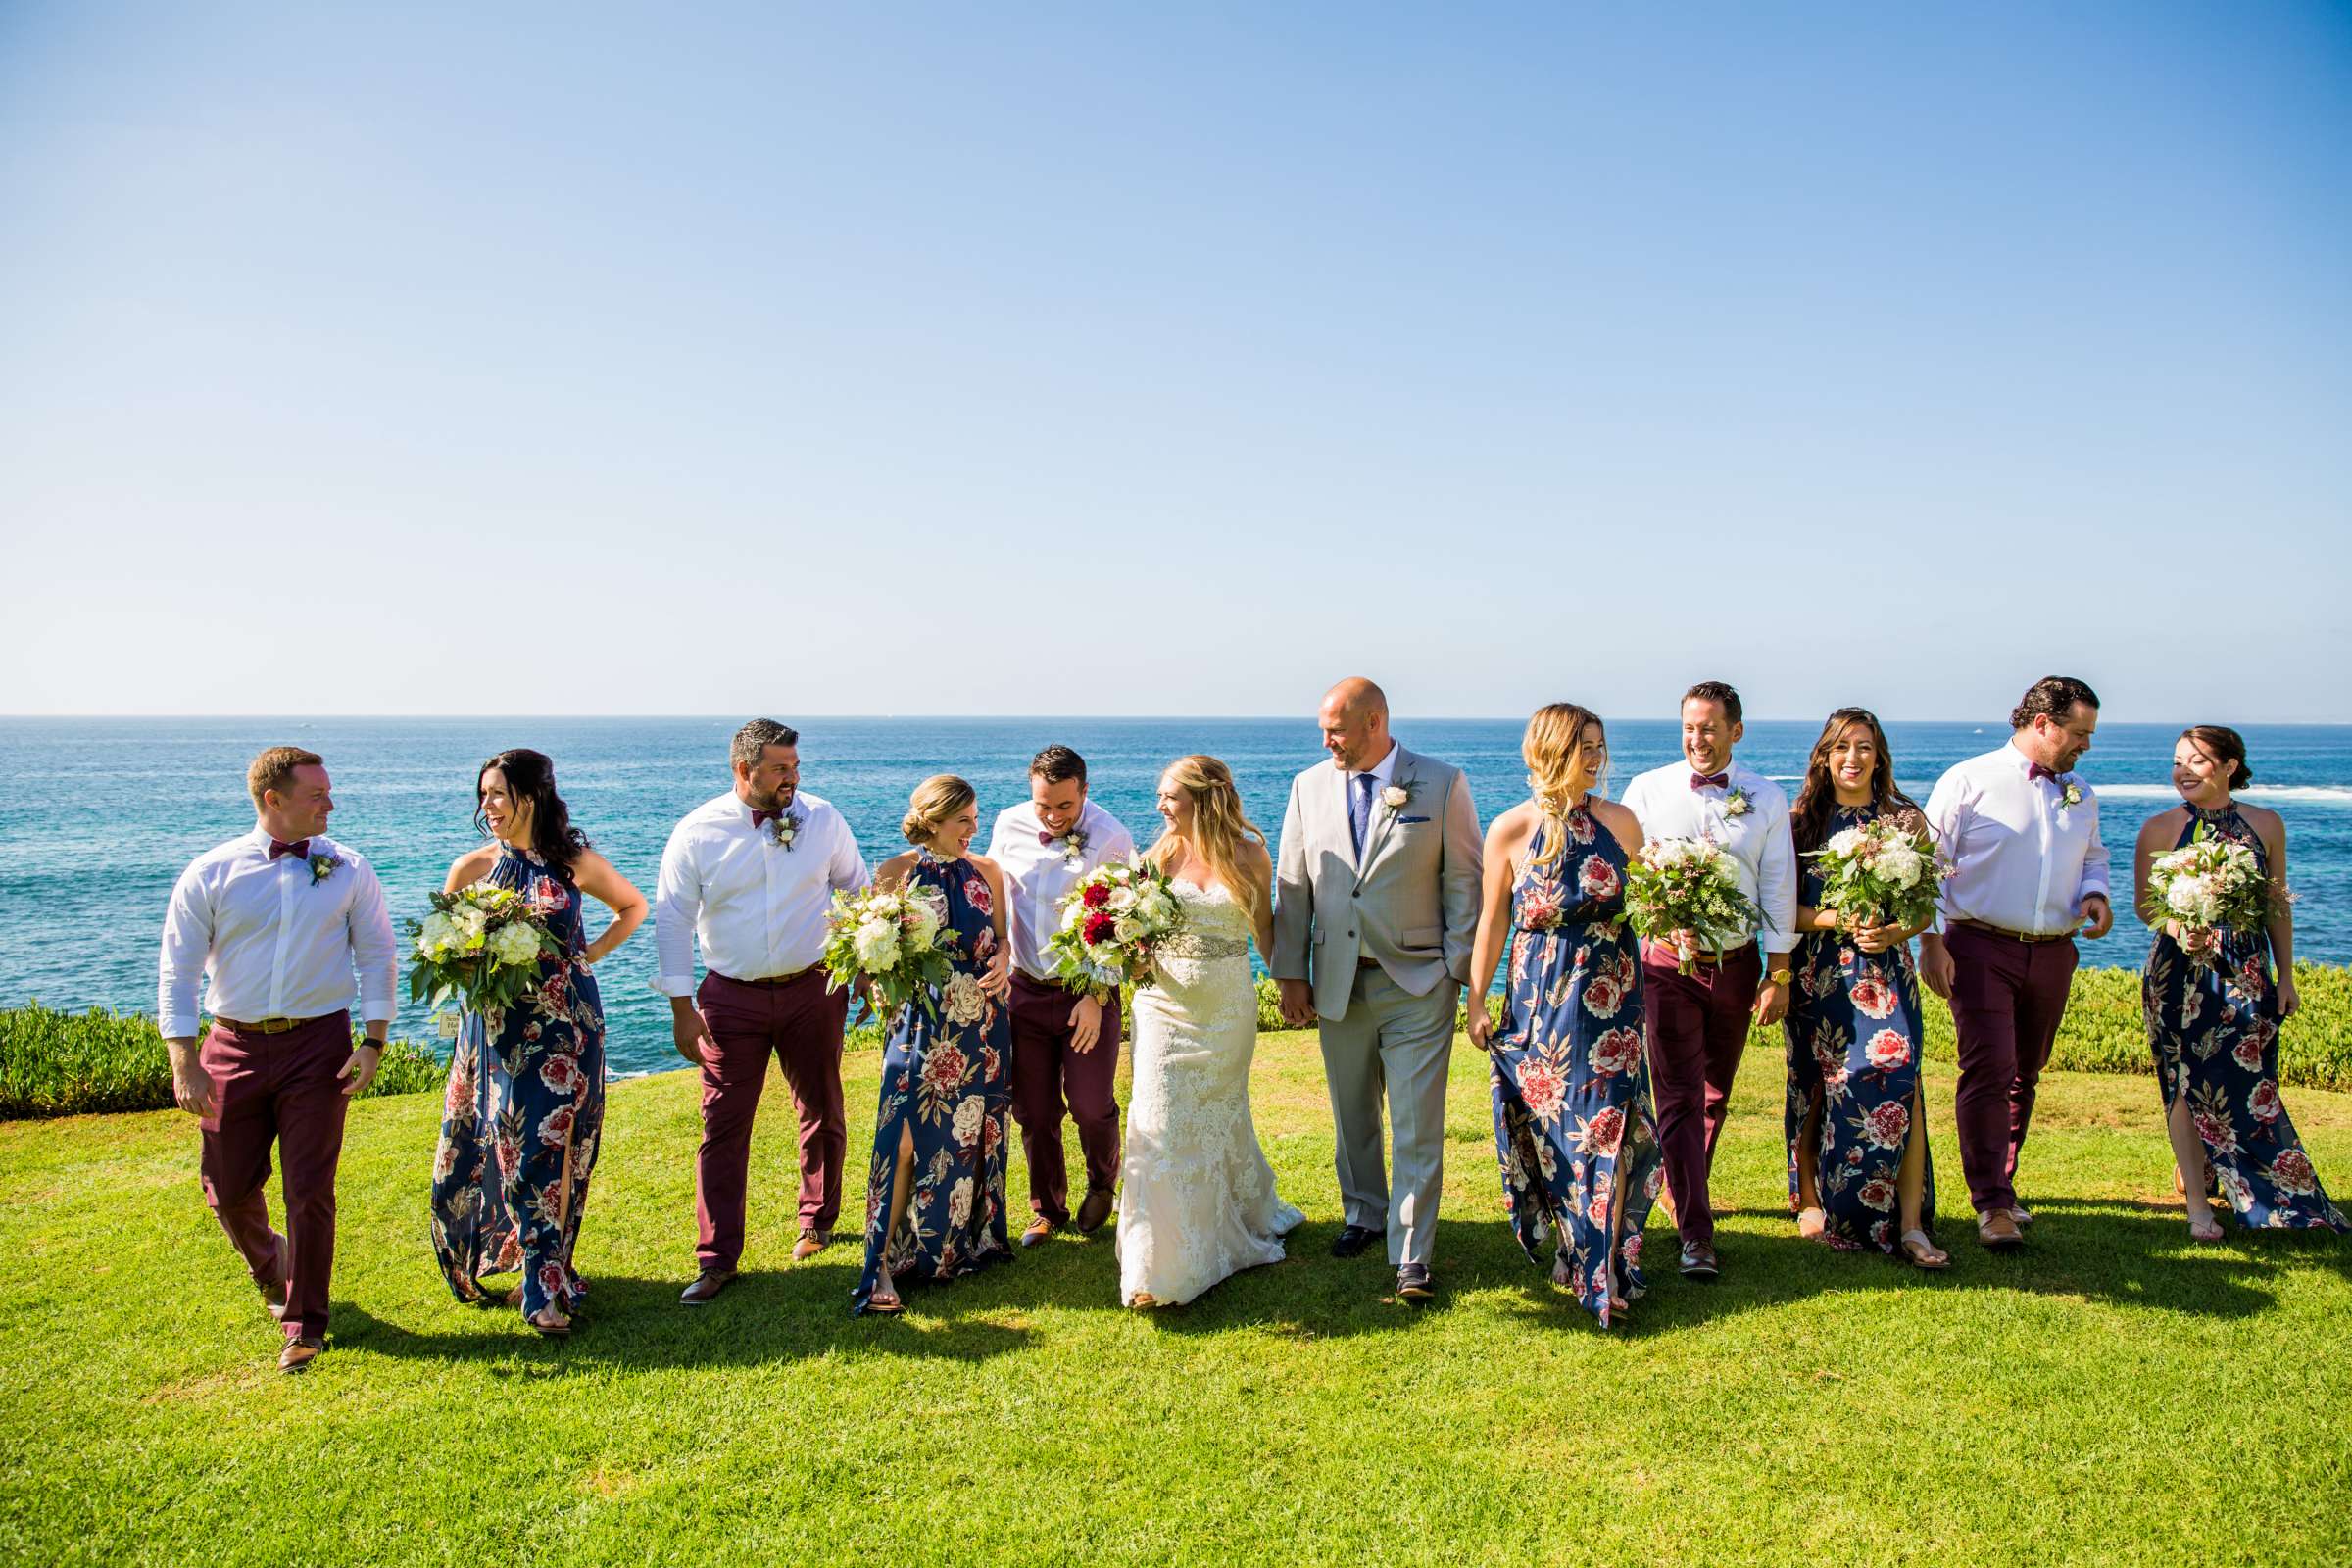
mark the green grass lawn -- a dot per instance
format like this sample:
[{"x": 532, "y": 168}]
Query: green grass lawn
[{"x": 2111, "y": 1393}]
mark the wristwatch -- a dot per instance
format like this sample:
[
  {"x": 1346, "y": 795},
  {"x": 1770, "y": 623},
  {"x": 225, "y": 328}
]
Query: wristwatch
[{"x": 1779, "y": 977}]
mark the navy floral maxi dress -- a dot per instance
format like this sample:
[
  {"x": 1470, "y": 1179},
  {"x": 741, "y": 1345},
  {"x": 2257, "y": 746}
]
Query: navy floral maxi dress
[
  {"x": 2214, "y": 1029},
  {"x": 521, "y": 1119},
  {"x": 1854, "y": 1029},
  {"x": 946, "y": 1078},
  {"x": 1575, "y": 1129}
]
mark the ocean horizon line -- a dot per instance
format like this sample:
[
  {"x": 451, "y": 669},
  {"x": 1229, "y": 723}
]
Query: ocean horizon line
[{"x": 1981, "y": 722}]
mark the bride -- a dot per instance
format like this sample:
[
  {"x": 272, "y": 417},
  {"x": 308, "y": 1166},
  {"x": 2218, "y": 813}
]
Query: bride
[{"x": 1197, "y": 1196}]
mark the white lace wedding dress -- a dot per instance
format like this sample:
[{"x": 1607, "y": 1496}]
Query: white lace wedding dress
[{"x": 1196, "y": 1197}]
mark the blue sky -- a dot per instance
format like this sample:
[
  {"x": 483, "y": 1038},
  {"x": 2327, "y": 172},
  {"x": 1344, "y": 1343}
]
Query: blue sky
[{"x": 1112, "y": 359}]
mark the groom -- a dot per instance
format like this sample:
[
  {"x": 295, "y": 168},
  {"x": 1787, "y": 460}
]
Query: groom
[{"x": 1376, "y": 907}]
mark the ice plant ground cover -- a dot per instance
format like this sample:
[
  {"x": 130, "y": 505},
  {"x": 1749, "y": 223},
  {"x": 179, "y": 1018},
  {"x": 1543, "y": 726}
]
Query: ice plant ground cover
[{"x": 2035, "y": 1406}]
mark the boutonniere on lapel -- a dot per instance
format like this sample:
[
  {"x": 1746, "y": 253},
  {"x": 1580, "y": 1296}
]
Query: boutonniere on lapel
[
  {"x": 2070, "y": 793},
  {"x": 1396, "y": 797},
  {"x": 783, "y": 829},
  {"x": 1070, "y": 845},
  {"x": 324, "y": 866},
  {"x": 1735, "y": 802}
]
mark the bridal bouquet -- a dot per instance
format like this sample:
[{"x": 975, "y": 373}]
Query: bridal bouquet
[
  {"x": 898, "y": 938},
  {"x": 1881, "y": 873},
  {"x": 2207, "y": 886},
  {"x": 1110, "y": 924},
  {"x": 481, "y": 946},
  {"x": 1687, "y": 885}
]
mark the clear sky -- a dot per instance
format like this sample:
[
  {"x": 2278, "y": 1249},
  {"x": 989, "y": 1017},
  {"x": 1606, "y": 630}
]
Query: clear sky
[{"x": 1172, "y": 359}]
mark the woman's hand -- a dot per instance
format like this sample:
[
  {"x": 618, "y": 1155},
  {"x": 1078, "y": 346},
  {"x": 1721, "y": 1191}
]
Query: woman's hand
[
  {"x": 2289, "y": 998},
  {"x": 1481, "y": 1025},
  {"x": 1876, "y": 938},
  {"x": 995, "y": 981}
]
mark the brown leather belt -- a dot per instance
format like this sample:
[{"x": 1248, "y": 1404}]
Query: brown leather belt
[
  {"x": 769, "y": 982},
  {"x": 2026, "y": 936},
  {"x": 267, "y": 1026}
]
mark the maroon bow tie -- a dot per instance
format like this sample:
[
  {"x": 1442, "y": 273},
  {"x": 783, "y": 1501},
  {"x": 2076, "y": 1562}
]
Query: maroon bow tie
[
  {"x": 2035, "y": 770},
  {"x": 1044, "y": 837},
  {"x": 300, "y": 849},
  {"x": 760, "y": 818},
  {"x": 1701, "y": 781}
]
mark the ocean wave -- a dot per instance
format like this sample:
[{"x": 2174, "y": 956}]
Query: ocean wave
[{"x": 2259, "y": 793}]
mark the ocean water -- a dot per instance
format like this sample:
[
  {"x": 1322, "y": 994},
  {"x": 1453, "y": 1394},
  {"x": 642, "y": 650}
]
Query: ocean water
[{"x": 97, "y": 817}]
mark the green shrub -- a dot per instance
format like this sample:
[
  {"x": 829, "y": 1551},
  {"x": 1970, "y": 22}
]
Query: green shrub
[{"x": 66, "y": 1064}]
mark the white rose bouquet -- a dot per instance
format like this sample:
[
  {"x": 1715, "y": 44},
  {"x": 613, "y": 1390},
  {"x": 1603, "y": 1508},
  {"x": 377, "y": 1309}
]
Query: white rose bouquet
[
  {"x": 1687, "y": 885},
  {"x": 1110, "y": 922},
  {"x": 898, "y": 938},
  {"x": 1885, "y": 873},
  {"x": 2206, "y": 887},
  {"x": 481, "y": 947}
]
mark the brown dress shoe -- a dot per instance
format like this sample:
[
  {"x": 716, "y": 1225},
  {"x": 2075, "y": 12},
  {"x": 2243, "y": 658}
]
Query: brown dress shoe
[
  {"x": 707, "y": 1285},
  {"x": 810, "y": 1245},
  {"x": 1039, "y": 1229},
  {"x": 1094, "y": 1211},
  {"x": 299, "y": 1353},
  {"x": 1998, "y": 1231}
]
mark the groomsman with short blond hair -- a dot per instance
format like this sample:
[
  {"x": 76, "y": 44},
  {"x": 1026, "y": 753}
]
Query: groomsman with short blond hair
[{"x": 288, "y": 928}]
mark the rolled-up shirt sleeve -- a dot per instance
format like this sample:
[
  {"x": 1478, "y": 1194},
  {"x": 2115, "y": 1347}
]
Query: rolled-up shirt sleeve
[
  {"x": 187, "y": 944},
  {"x": 677, "y": 905},
  {"x": 374, "y": 950}
]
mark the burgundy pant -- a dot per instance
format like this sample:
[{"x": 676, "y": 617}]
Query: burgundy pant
[
  {"x": 1047, "y": 1076},
  {"x": 800, "y": 1023},
  {"x": 1696, "y": 1024},
  {"x": 279, "y": 1088},
  {"x": 2007, "y": 999}
]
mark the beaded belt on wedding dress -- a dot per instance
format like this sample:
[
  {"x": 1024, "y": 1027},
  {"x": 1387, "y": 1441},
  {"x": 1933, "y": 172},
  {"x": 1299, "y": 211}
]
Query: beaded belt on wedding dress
[{"x": 1193, "y": 944}]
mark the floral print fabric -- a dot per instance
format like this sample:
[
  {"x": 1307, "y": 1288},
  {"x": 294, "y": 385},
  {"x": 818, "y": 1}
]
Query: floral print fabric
[
  {"x": 946, "y": 1080},
  {"x": 1575, "y": 1130},
  {"x": 521, "y": 1117},
  {"x": 2214, "y": 1029},
  {"x": 1854, "y": 1030}
]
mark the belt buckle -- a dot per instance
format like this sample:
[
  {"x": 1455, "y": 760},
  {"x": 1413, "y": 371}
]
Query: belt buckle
[{"x": 277, "y": 1026}]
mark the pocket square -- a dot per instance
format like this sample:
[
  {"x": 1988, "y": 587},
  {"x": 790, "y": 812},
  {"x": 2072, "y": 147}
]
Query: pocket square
[{"x": 1408, "y": 821}]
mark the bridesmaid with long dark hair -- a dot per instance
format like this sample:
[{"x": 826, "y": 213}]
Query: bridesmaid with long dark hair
[
  {"x": 1859, "y": 1174},
  {"x": 526, "y": 1085},
  {"x": 2214, "y": 1016}
]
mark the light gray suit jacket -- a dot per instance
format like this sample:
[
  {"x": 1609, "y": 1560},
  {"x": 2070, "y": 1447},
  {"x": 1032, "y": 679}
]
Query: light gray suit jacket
[{"x": 1413, "y": 903}]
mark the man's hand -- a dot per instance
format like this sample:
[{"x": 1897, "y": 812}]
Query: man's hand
[
  {"x": 690, "y": 1034},
  {"x": 869, "y": 1010},
  {"x": 1086, "y": 1024},
  {"x": 360, "y": 1068},
  {"x": 1771, "y": 1002},
  {"x": 1935, "y": 965},
  {"x": 2099, "y": 915},
  {"x": 191, "y": 1085},
  {"x": 1297, "y": 1003}
]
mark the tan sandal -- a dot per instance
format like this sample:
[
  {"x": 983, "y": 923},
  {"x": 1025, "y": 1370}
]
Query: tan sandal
[
  {"x": 1921, "y": 1251},
  {"x": 1813, "y": 1224}
]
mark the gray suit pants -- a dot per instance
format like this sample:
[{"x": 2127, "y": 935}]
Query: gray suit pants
[{"x": 1394, "y": 1041}]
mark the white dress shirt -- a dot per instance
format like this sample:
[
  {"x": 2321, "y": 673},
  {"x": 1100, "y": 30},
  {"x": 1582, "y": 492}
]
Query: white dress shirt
[
  {"x": 1041, "y": 876},
  {"x": 1663, "y": 802},
  {"x": 756, "y": 907},
  {"x": 2026, "y": 858},
  {"x": 1381, "y": 773},
  {"x": 275, "y": 943}
]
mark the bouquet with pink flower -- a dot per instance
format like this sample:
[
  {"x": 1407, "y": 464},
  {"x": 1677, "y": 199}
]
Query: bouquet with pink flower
[
  {"x": 1687, "y": 885},
  {"x": 1110, "y": 921},
  {"x": 1883, "y": 872},
  {"x": 898, "y": 938}
]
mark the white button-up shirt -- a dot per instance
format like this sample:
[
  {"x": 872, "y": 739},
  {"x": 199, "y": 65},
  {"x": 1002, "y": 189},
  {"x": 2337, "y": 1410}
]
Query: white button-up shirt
[
  {"x": 1663, "y": 802},
  {"x": 1381, "y": 773},
  {"x": 1042, "y": 875},
  {"x": 2026, "y": 858},
  {"x": 276, "y": 941},
  {"x": 756, "y": 907}
]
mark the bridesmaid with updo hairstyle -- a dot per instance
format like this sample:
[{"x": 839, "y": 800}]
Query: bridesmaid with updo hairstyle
[
  {"x": 2214, "y": 1005},
  {"x": 935, "y": 1187}
]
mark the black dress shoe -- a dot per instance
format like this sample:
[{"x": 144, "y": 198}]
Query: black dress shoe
[
  {"x": 1699, "y": 1261},
  {"x": 707, "y": 1285},
  {"x": 1412, "y": 1283},
  {"x": 1353, "y": 1239}
]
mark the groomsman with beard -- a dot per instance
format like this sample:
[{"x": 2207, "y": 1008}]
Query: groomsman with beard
[
  {"x": 1698, "y": 1022},
  {"x": 1066, "y": 1042},
  {"x": 279, "y": 919},
  {"x": 751, "y": 876},
  {"x": 2021, "y": 833}
]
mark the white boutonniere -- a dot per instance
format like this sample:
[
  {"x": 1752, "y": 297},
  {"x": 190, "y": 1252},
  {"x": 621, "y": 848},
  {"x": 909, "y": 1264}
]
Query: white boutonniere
[
  {"x": 1736, "y": 803},
  {"x": 783, "y": 828},
  {"x": 1071, "y": 847},
  {"x": 1396, "y": 797},
  {"x": 324, "y": 866},
  {"x": 2070, "y": 793}
]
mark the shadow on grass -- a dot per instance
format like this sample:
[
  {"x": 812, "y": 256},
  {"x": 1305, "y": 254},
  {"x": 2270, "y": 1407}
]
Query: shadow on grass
[{"x": 2117, "y": 1251}]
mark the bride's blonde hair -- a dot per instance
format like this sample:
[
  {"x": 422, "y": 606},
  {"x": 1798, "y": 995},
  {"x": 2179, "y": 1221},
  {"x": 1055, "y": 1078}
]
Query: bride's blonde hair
[
  {"x": 1551, "y": 748},
  {"x": 1220, "y": 827}
]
